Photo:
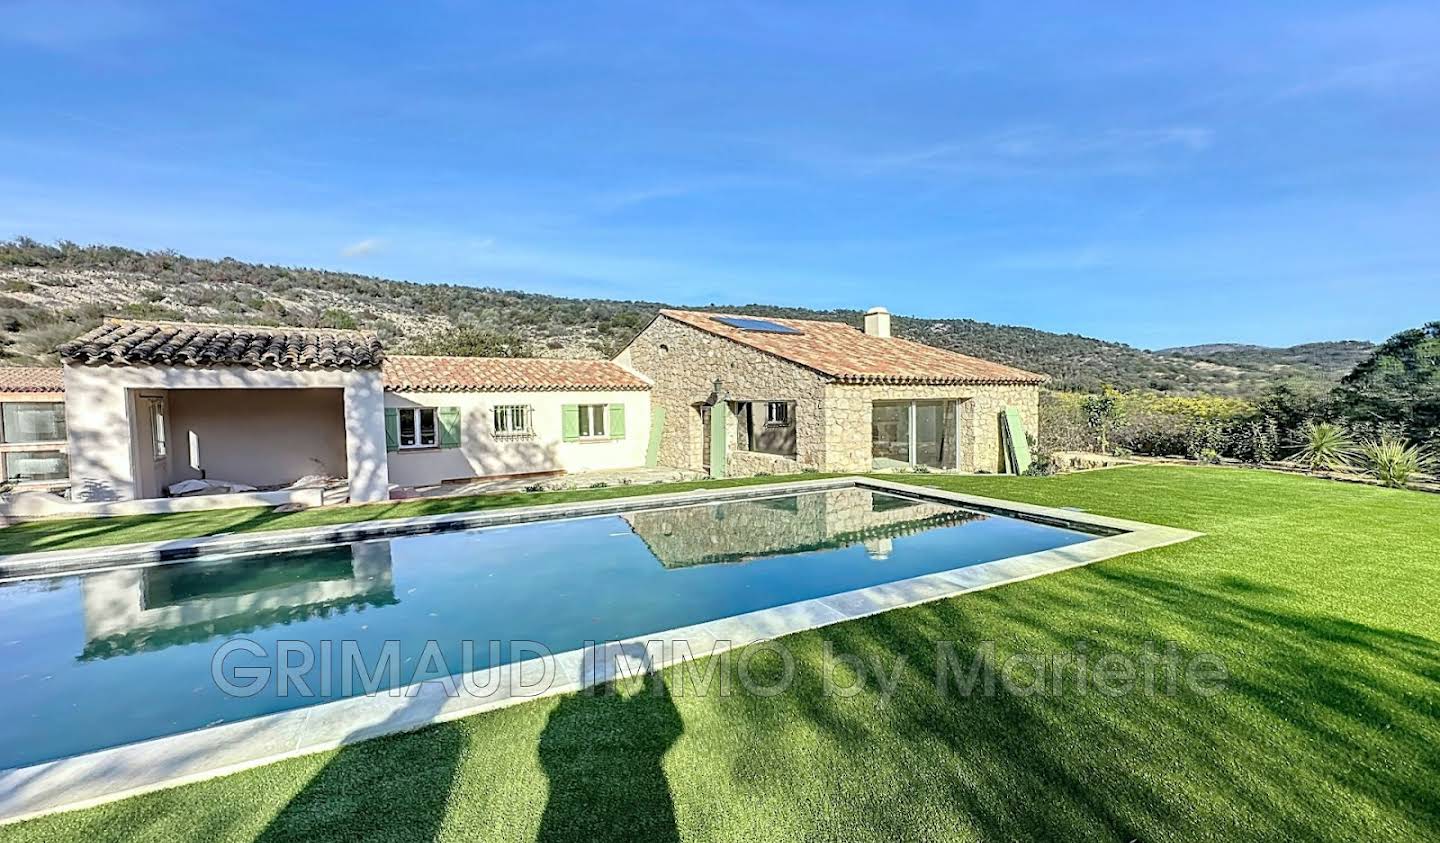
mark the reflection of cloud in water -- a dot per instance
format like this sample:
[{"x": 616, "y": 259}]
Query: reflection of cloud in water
[
  {"x": 149, "y": 608},
  {"x": 738, "y": 531}
]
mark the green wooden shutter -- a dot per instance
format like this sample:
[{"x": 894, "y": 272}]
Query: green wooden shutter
[
  {"x": 719, "y": 438},
  {"x": 448, "y": 418},
  {"x": 617, "y": 421},
  {"x": 570, "y": 422},
  {"x": 392, "y": 429},
  {"x": 657, "y": 427}
]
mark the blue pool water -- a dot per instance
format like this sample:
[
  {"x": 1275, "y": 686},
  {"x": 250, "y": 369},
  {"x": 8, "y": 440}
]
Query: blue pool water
[{"x": 95, "y": 660}]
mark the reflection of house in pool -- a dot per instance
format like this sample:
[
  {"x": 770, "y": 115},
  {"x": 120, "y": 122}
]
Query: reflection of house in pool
[
  {"x": 142, "y": 609},
  {"x": 741, "y": 530}
]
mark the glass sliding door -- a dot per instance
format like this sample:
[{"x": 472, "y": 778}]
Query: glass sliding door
[
  {"x": 911, "y": 433},
  {"x": 930, "y": 433},
  {"x": 890, "y": 434}
]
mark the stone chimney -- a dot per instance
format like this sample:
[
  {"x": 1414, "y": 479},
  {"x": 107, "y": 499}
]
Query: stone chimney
[{"x": 877, "y": 322}]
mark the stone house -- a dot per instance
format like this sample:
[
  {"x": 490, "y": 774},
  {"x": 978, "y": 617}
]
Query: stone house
[
  {"x": 151, "y": 405},
  {"x": 737, "y": 395}
]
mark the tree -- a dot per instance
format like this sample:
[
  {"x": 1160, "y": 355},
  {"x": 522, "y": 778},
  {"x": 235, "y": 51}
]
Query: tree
[
  {"x": 1397, "y": 387},
  {"x": 468, "y": 341},
  {"x": 1102, "y": 413}
]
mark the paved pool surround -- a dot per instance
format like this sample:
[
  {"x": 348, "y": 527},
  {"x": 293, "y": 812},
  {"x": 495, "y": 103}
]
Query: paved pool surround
[{"x": 160, "y": 763}]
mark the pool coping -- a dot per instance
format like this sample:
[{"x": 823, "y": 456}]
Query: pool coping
[{"x": 159, "y": 763}]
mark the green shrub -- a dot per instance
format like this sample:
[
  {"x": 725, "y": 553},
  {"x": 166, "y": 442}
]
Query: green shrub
[
  {"x": 1154, "y": 425},
  {"x": 1258, "y": 440},
  {"x": 1391, "y": 460},
  {"x": 336, "y": 318},
  {"x": 1323, "y": 445}
]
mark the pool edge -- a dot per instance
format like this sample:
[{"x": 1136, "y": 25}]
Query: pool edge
[{"x": 119, "y": 772}]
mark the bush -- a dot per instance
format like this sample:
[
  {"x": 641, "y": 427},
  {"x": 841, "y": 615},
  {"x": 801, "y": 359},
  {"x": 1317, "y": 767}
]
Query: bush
[
  {"x": 336, "y": 318},
  {"x": 1391, "y": 460},
  {"x": 1323, "y": 445},
  {"x": 467, "y": 341},
  {"x": 1153, "y": 425},
  {"x": 1257, "y": 441}
]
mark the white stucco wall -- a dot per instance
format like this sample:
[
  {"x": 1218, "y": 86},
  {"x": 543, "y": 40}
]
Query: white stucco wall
[
  {"x": 108, "y": 455},
  {"x": 481, "y": 454},
  {"x": 301, "y": 431}
]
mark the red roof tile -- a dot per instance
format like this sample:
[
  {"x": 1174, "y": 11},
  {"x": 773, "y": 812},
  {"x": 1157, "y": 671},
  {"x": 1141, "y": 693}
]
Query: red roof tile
[
  {"x": 31, "y": 379},
  {"x": 413, "y": 373},
  {"x": 850, "y": 355}
]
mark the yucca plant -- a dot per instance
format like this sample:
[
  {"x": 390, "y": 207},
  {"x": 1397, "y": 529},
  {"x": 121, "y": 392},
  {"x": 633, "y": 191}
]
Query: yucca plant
[
  {"x": 1392, "y": 461},
  {"x": 1323, "y": 445}
]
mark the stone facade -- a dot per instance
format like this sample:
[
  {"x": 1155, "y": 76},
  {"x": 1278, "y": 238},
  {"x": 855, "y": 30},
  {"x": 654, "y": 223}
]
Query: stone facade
[
  {"x": 683, "y": 363},
  {"x": 848, "y": 412},
  {"x": 832, "y": 420}
]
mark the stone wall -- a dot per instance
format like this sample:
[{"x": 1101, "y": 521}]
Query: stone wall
[
  {"x": 832, "y": 421},
  {"x": 848, "y": 409},
  {"x": 683, "y": 363},
  {"x": 750, "y": 463}
]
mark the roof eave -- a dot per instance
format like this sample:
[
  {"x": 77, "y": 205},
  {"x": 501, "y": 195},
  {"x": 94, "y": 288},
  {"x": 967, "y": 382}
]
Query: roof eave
[
  {"x": 897, "y": 380},
  {"x": 525, "y": 387}
]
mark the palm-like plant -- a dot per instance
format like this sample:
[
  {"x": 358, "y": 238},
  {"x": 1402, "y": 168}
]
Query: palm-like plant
[
  {"x": 1323, "y": 445},
  {"x": 1392, "y": 461}
]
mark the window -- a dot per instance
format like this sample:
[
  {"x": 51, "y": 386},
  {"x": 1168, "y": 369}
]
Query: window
[
  {"x": 766, "y": 427},
  {"x": 417, "y": 428},
  {"x": 592, "y": 420},
  {"x": 512, "y": 420},
  {"x": 29, "y": 466},
  {"x": 158, "y": 435},
  {"x": 33, "y": 422}
]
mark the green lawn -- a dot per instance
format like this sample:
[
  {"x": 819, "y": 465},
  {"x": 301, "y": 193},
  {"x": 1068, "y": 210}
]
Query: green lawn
[{"x": 1319, "y": 598}]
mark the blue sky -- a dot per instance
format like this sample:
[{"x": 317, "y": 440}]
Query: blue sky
[{"x": 1187, "y": 173}]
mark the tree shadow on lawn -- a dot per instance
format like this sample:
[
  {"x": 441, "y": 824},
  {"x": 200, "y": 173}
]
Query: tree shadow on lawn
[
  {"x": 1325, "y": 728},
  {"x": 603, "y": 751},
  {"x": 381, "y": 789}
]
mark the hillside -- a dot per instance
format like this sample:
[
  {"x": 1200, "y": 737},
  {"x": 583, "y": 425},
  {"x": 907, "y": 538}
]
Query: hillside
[
  {"x": 51, "y": 293},
  {"x": 1321, "y": 359}
]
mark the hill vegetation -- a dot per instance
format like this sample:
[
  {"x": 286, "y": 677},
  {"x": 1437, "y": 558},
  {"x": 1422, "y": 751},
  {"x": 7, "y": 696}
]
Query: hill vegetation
[
  {"x": 50, "y": 293},
  {"x": 1321, "y": 358}
]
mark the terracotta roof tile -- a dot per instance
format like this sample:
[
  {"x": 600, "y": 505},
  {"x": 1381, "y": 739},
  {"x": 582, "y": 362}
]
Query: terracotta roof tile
[
  {"x": 125, "y": 342},
  {"x": 31, "y": 379},
  {"x": 850, "y": 355},
  {"x": 412, "y": 373}
]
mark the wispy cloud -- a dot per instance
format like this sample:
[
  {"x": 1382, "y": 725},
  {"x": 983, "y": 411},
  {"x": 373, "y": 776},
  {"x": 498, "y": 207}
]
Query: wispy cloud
[
  {"x": 1385, "y": 77},
  {"x": 360, "y": 248},
  {"x": 1024, "y": 150}
]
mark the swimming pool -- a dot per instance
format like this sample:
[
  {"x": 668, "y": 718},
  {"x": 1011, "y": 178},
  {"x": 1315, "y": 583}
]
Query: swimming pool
[{"x": 96, "y": 660}]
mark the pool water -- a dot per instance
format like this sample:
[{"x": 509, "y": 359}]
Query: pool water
[{"x": 95, "y": 660}]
